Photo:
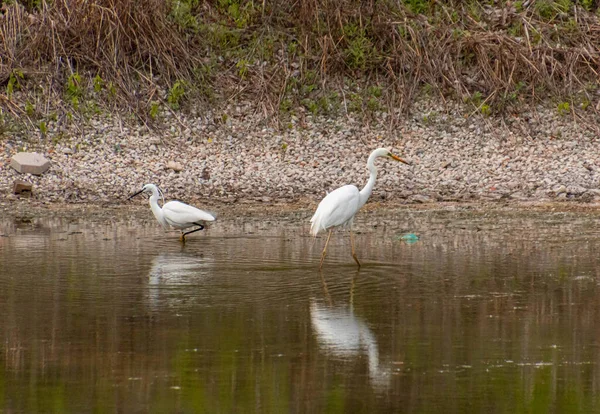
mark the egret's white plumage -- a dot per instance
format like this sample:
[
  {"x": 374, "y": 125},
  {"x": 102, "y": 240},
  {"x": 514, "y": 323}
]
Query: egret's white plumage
[
  {"x": 175, "y": 213},
  {"x": 338, "y": 208}
]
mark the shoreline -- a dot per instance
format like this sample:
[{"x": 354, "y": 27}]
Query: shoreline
[
  {"x": 536, "y": 157},
  {"x": 105, "y": 212}
]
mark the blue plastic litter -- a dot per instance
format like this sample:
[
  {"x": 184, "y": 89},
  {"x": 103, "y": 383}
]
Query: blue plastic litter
[{"x": 409, "y": 238}]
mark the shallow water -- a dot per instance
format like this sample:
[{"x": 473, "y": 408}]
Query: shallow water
[{"x": 486, "y": 312}]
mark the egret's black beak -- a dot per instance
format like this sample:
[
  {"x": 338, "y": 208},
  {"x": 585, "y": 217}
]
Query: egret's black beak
[{"x": 133, "y": 195}]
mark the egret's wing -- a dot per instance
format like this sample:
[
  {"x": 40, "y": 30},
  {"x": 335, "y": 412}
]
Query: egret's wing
[
  {"x": 336, "y": 209},
  {"x": 178, "y": 214}
]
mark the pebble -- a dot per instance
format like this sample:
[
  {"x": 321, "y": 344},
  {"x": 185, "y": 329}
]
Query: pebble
[{"x": 453, "y": 158}]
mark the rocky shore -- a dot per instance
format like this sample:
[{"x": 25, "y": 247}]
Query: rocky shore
[{"x": 234, "y": 156}]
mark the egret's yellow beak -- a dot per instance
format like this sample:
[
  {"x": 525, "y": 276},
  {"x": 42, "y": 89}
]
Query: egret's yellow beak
[{"x": 399, "y": 159}]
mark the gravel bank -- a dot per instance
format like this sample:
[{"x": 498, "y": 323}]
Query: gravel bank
[{"x": 537, "y": 156}]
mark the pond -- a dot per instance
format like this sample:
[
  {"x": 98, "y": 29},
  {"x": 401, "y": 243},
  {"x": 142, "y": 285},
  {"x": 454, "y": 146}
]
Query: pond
[{"x": 486, "y": 311}]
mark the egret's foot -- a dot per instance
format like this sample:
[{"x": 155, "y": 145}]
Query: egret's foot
[
  {"x": 182, "y": 238},
  {"x": 356, "y": 259},
  {"x": 200, "y": 227}
]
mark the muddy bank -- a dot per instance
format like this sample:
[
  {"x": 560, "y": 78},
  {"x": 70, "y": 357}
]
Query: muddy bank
[{"x": 299, "y": 211}]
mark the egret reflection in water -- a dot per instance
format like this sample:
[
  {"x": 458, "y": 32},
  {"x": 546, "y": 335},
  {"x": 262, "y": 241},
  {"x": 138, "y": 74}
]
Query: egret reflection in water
[
  {"x": 170, "y": 272},
  {"x": 343, "y": 334}
]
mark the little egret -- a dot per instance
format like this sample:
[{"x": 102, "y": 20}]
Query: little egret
[
  {"x": 175, "y": 213},
  {"x": 338, "y": 208}
]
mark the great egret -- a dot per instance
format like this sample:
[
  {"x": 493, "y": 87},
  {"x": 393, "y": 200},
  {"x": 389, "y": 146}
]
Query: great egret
[
  {"x": 339, "y": 207},
  {"x": 175, "y": 213}
]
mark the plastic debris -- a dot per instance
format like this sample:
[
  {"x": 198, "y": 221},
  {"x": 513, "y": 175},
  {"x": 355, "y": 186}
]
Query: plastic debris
[{"x": 409, "y": 238}]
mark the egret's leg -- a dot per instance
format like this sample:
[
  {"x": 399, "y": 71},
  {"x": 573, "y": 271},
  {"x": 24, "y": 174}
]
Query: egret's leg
[
  {"x": 327, "y": 295},
  {"x": 200, "y": 227},
  {"x": 325, "y": 249},
  {"x": 352, "y": 294},
  {"x": 353, "y": 252},
  {"x": 182, "y": 237}
]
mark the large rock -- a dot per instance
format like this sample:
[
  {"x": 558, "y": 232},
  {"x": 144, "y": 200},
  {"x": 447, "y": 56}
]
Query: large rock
[{"x": 30, "y": 163}]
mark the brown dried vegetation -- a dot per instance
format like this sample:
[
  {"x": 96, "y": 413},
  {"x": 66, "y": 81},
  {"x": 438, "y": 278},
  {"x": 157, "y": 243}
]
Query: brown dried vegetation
[{"x": 284, "y": 54}]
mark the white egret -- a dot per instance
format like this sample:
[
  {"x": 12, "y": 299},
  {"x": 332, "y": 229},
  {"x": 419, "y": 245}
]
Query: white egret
[
  {"x": 175, "y": 213},
  {"x": 338, "y": 208}
]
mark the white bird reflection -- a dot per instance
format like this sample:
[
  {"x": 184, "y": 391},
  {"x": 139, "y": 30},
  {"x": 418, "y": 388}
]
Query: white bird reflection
[
  {"x": 343, "y": 334},
  {"x": 172, "y": 271}
]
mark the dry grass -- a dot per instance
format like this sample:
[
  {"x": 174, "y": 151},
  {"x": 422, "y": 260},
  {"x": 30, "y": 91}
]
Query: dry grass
[{"x": 134, "y": 55}]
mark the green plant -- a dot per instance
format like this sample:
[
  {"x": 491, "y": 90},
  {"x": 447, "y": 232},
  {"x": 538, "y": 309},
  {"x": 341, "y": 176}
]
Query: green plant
[
  {"x": 263, "y": 46},
  {"x": 220, "y": 36},
  {"x": 430, "y": 117},
  {"x": 308, "y": 88},
  {"x": 58, "y": 137},
  {"x": 292, "y": 48},
  {"x": 242, "y": 67},
  {"x": 98, "y": 83},
  {"x": 359, "y": 50},
  {"x": 375, "y": 91},
  {"x": 564, "y": 108},
  {"x": 518, "y": 6},
  {"x": 571, "y": 26},
  {"x": 13, "y": 82},
  {"x": 176, "y": 94},
  {"x": 475, "y": 99},
  {"x": 292, "y": 84},
  {"x": 417, "y": 6},
  {"x": 587, "y": 4},
  {"x": 154, "y": 109},
  {"x": 181, "y": 14},
  {"x": 75, "y": 102},
  {"x": 43, "y": 128},
  {"x": 373, "y": 104},
  {"x": 485, "y": 110},
  {"x": 93, "y": 108},
  {"x": 112, "y": 90},
  {"x": 285, "y": 106},
  {"x": 355, "y": 103},
  {"x": 515, "y": 29},
  {"x": 585, "y": 104},
  {"x": 308, "y": 82},
  {"x": 329, "y": 103},
  {"x": 549, "y": 9},
  {"x": 73, "y": 88},
  {"x": 310, "y": 105},
  {"x": 427, "y": 89},
  {"x": 29, "y": 109}
]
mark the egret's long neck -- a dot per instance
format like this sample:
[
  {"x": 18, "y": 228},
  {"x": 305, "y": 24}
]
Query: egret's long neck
[
  {"x": 156, "y": 209},
  {"x": 365, "y": 193}
]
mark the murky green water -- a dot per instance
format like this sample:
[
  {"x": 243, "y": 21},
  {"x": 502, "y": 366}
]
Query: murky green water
[{"x": 485, "y": 313}]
